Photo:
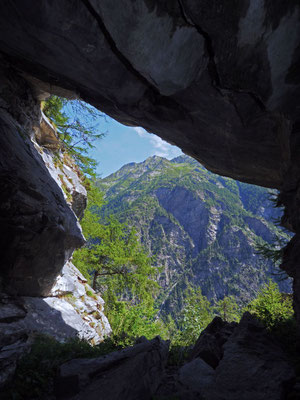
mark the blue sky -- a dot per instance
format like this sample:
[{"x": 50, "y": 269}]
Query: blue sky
[{"x": 122, "y": 145}]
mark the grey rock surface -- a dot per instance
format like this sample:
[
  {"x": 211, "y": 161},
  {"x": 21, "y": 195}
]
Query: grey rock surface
[
  {"x": 209, "y": 346},
  {"x": 253, "y": 366},
  {"x": 14, "y": 339},
  {"x": 70, "y": 312},
  {"x": 38, "y": 230},
  {"x": 214, "y": 79},
  {"x": 133, "y": 373},
  {"x": 196, "y": 375},
  {"x": 60, "y": 165},
  {"x": 248, "y": 365}
]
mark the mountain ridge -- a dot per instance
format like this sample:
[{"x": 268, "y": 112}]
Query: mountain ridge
[{"x": 202, "y": 228}]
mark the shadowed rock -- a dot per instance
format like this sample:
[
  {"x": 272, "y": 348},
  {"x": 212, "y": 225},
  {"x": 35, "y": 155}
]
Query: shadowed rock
[
  {"x": 38, "y": 230},
  {"x": 253, "y": 366},
  {"x": 217, "y": 79},
  {"x": 249, "y": 365},
  {"x": 210, "y": 344},
  {"x": 133, "y": 373}
]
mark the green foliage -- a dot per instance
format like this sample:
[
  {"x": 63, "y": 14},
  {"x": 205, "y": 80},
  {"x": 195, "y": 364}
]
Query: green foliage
[
  {"x": 115, "y": 258},
  {"x": 130, "y": 322},
  {"x": 275, "y": 311},
  {"x": 133, "y": 195},
  {"x": 272, "y": 307},
  {"x": 228, "y": 309},
  {"x": 77, "y": 125},
  {"x": 274, "y": 252},
  {"x": 196, "y": 315},
  {"x": 36, "y": 371},
  {"x": 120, "y": 269}
]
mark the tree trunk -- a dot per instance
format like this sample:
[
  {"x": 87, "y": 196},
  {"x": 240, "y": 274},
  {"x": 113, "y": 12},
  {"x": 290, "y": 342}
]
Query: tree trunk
[{"x": 96, "y": 273}]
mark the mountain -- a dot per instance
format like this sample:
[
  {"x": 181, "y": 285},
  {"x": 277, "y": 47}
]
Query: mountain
[{"x": 200, "y": 227}]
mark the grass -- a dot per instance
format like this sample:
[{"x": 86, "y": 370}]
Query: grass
[{"x": 90, "y": 293}]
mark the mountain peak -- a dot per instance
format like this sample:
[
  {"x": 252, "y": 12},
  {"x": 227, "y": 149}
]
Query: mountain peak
[
  {"x": 182, "y": 159},
  {"x": 199, "y": 226},
  {"x": 154, "y": 158}
]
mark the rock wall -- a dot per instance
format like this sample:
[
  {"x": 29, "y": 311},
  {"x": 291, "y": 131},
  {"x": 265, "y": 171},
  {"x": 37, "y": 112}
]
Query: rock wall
[
  {"x": 38, "y": 230},
  {"x": 229, "y": 362},
  {"x": 40, "y": 289}
]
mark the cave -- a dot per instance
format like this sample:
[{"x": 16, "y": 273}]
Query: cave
[{"x": 220, "y": 80}]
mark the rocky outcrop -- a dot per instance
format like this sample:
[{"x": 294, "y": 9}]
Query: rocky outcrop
[
  {"x": 209, "y": 346},
  {"x": 253, "y": 366},
  {"x": 133, "y": 373},
  {"x": 60, "y": 165},
  {"x": 38, "y": 230},
  {"x": 73, "y": 309},
  {"x": 248, "y": 364},
  {"x": 190, "y": 373},
  {"x": 40, "y": 290}
]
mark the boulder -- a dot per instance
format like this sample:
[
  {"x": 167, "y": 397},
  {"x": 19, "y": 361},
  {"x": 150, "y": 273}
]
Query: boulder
[
  {"x": 210, "y": 344},
  {"x": 253, "y": 366},
  {"x": 132, "y": 374},
  {"x": 196, "y": 375}
]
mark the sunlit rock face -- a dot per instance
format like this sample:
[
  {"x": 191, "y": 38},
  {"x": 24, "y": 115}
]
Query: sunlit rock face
[{"x": 71, "y": 310}]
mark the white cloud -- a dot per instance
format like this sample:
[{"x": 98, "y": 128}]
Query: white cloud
[
  {"x": 160, "y": 147},
  {"x": 140, "y": 131}
]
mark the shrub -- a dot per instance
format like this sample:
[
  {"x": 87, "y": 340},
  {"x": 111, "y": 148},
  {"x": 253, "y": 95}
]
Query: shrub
[{"x": 271, "y": 307}]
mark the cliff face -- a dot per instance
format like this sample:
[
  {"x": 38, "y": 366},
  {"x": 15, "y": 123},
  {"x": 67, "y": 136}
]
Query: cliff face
[
  {"x": 40, "y": 290},
  {"x": 203, "y": 229},
  {"x": 39, "y": 231}
]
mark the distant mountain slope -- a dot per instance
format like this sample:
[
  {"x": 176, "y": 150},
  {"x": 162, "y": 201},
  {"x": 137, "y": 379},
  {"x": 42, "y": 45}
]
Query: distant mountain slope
[{"x": 201, "y": 227}]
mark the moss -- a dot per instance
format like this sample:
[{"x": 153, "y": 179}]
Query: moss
[
  {"x": 65, "y": 188},
  {"x": 56, "y": 160},
  {"x": 70, "y": 180},
  {"x": 90, "y": 293}
]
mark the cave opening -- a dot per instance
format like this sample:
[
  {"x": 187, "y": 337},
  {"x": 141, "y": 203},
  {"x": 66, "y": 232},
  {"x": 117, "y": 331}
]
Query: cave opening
[{"x": 219, "y": 81}]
